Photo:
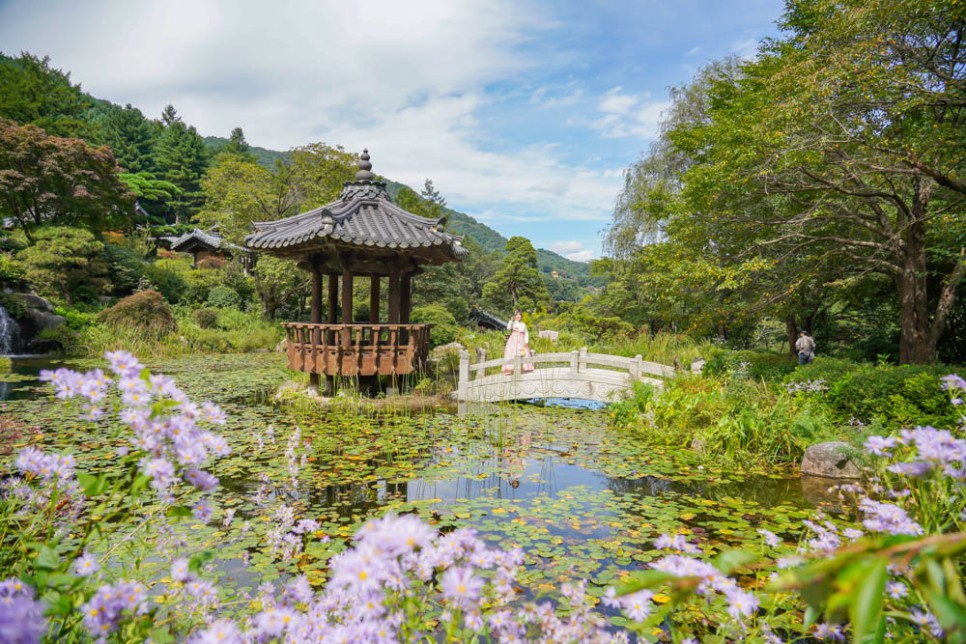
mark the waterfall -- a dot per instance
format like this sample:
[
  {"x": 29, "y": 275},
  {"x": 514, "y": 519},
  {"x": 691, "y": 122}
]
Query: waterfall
[{"x": 9, "y": 333}]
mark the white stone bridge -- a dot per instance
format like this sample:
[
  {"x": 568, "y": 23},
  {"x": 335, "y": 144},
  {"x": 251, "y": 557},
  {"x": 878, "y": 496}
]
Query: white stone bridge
[{"x": 578, "y": 374}]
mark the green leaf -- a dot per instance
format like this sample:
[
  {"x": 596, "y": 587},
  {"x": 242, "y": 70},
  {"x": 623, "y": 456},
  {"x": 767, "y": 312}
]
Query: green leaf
[
  {"x": 179, "y": 511},
  {"x": 730, "y": 560},
  {"x": 46, "y": 559},
  {"x": 865, "y": 610},
  {"x": 200, "y": 559},
  {"x": 645, "y": 579},
  {"x": 951, "y": 617},
  {"x": 92, "y": 485}
]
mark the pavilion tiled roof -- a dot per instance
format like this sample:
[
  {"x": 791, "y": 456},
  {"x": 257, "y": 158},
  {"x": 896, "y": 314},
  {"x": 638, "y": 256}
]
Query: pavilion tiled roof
[{"x": 363, "y": 217}]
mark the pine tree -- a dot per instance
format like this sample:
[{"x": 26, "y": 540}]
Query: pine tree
[{"x": 182, "y": 159}]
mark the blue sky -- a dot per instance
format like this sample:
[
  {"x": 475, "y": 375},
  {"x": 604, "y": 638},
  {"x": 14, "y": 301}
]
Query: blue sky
[{"x": 524, "y": 113}]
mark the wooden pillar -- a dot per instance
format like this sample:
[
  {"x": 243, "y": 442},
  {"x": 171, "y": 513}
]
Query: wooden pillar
[
  {"x": 333, "y": 299},
  {"x": 331, "y": 318},
  {"x": 405, "y": 297},
  {"x": 394, "y": 296},
  {"x": 316, "y": 319},
  {"x": 346, "y": 296},
  {"x": 374, "y": 299}
]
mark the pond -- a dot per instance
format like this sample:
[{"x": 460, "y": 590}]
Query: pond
[{"x": 581, "y": 499}]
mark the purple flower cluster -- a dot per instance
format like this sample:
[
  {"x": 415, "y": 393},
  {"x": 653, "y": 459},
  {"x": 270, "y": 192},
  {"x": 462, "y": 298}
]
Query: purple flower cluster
[
  {"x": 827, "y": 538},
  {"x": 174, "y": 443},
  {"x": 953, "y": 383},
  {"x": 104, "y": 611},
  {"x": 44, "y": 478},
  {"x": 740, "y": 603},
  {"x": 887, "y": 518},
  {"x": 400, "y": 564},
  {"x": 676, "y": 542},
  {"x": 22, "y": 618}
]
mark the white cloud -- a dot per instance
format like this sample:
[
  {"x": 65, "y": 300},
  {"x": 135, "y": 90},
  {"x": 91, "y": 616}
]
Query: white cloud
[
  {"x": 629, "y": 115},
  {"x": 745, "y": 48},
  {"x": 574, "y": 250}
]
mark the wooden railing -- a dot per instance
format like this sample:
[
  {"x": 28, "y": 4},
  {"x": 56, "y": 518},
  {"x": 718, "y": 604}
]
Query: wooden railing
[{"x": 356, "y": 349}]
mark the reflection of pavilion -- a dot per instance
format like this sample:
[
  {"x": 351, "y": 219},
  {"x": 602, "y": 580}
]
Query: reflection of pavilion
[{"x": 361, "y": 234}]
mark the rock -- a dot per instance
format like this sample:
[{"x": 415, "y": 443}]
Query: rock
[
  {"x": 444, "y": 349},
  {"x": 698, "y": 365},
  {"x": 41, "y": 319},
  {"x": 830, "y": 460},
  {"x": 32, "y": 301},
  {"x": 281, "y": 347}
]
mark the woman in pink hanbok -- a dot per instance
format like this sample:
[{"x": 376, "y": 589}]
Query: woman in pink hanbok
[{"x": 518, "y": 344}]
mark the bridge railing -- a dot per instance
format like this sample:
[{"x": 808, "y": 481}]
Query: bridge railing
[{"x": 572, "y": 363}]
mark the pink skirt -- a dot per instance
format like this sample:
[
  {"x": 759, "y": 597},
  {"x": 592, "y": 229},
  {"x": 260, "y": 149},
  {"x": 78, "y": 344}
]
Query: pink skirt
[{"x": 516, "y": 346}]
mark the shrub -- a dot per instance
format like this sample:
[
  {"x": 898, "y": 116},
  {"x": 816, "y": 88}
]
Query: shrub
[
  {"x": 771, "y": 367},
  {"x": 444, "y": 323},
  {"x": 864, "y": 393},
  {"x": 223, "y": 297},
  {"x": 212, "y": 262},
  {"x": 145, "y": 312},
  {"x": 205, "y": 318},
  {"x": 167, "y": 275}
]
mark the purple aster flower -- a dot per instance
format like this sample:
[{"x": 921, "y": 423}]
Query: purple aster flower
[
  {"x": 637, "y": 606},
  {"x": 880, "y": 446},
  {"x": 21, "y": 617},
  {"x": 123, "y": 363},
  {"x": 675, "y": 542},
  {"x": 953, "y": 381},
  {"x": 179, "y": 570},
  {"x": 202, "y": 480},
  {"x": 831, "y": 632},
  {"x": 297, "y": 591},
  {"x": 86, "y": 565},
  {"x": 202, "y": 511},
  {"x": 896, "y": 589},
  {"x": 160, "y": 470},
  {"x": 461, "y": 585},
  {"x": 740, "y": 603},
  {"x": 887, "y": 518},
  {"x": 213, "y": 413},
  {"x": 770, "y": 537},
  {"x": 221, "y": 631},
  {"x": 103, "y": 612},
  {"x": 926, "y": 621},
  {"x": 273, "y": 622}
]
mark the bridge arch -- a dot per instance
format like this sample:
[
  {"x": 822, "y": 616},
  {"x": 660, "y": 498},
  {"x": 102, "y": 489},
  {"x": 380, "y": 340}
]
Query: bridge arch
[{"x": 576, "y": 374}]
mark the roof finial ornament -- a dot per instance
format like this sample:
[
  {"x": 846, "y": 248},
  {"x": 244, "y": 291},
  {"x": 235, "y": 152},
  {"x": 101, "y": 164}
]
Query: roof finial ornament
[{"x": 365, "y": 168}]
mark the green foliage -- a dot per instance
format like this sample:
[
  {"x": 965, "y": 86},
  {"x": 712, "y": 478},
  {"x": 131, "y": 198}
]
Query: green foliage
[
  {"x": 517, "y": 283},
  {"x": 894, "y": 396},
  {"x": 126, "y": 268},
  {"x": 169, "y": 277},
  {"x": 223, "y": 297},
  {"x": 11, "y": 272},
  {"x": 66, "y": 264},
  {"x": 444, "y": 324},
  {"x": 145, "y": 313},
  {"x": 181, "y": 159},
  {"x": 757, "y": 365},
  {"x": 132, "y": 138},
  {"x": 33, "y": 92}
]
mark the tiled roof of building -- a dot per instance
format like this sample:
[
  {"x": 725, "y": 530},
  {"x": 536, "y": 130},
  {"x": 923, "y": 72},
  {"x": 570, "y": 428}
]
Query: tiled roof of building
[
  {"x": 363, "y": 217},
  {"x": 199, "y": 239}
]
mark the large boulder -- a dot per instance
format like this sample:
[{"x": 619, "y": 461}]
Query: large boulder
[
  {"x": 35, "y": 314},
  {"x": 830, "y": 460}
]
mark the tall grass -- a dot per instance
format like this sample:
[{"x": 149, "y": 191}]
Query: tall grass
[{"x": 235, "y": 332}]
